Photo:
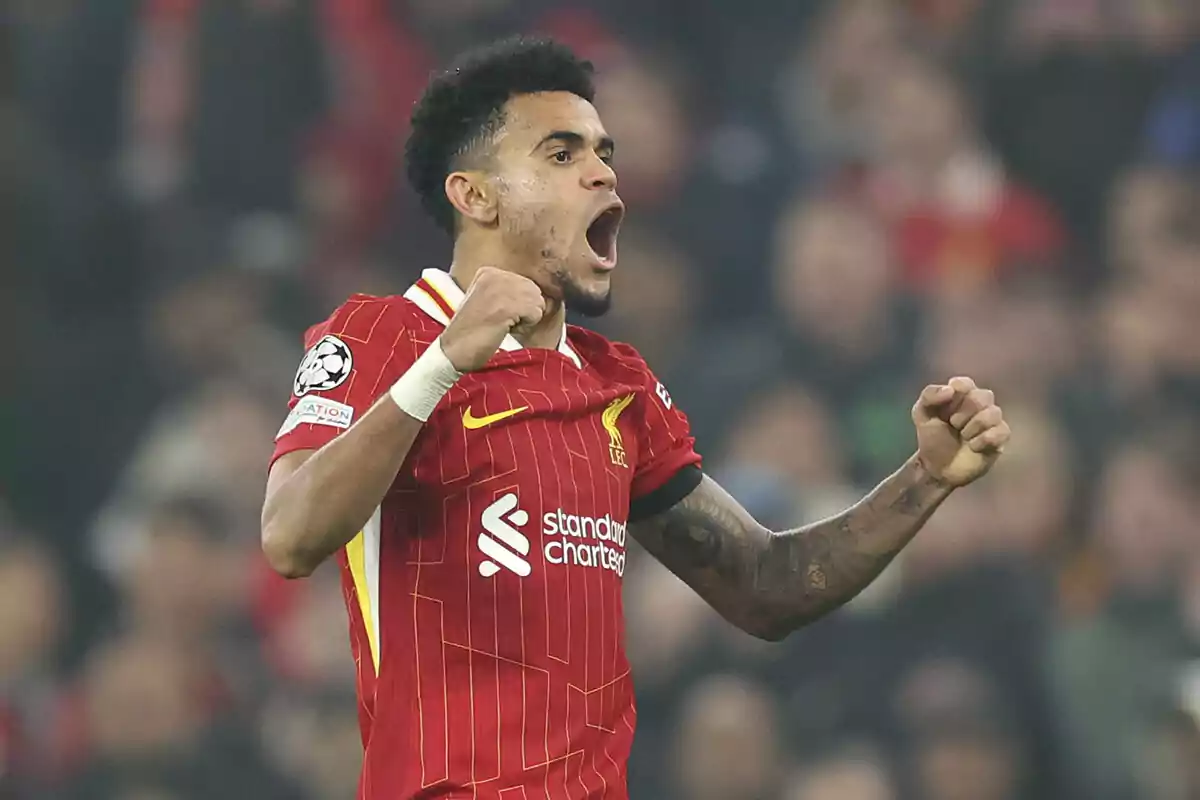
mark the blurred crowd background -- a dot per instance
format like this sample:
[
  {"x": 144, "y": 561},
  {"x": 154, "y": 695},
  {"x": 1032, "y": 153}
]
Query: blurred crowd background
[{"x": 832, "y": 204}]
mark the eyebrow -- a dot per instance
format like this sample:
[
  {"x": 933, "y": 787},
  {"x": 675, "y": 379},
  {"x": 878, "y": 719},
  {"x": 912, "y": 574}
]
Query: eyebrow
[{"x": 573, "y": 139}]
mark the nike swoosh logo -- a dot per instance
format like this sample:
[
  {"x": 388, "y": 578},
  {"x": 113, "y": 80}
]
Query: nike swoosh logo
[{"x": 473, "y": 423}]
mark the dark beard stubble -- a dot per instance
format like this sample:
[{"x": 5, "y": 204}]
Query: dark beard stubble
[{"x": 576, "y": 299}]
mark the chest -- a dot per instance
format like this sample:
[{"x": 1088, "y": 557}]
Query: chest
[{"x": 544, "y": 426}]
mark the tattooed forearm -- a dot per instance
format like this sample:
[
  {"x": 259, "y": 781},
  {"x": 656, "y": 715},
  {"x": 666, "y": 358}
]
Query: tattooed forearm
[{"x": 771, "y": 583}]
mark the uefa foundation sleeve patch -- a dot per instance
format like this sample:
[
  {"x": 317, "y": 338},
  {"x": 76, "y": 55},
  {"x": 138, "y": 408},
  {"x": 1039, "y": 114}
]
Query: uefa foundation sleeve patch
[{"x": 317, "y": 411}]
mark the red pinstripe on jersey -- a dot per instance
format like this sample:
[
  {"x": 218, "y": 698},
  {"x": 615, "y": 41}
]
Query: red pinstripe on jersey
[{"x": 475, "y": 679}]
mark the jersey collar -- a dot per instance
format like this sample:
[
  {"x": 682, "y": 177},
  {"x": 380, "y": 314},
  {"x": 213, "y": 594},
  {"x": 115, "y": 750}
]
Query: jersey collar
[{"x": 439, "y": 296}]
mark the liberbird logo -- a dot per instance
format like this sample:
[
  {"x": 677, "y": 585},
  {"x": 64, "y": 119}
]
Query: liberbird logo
[
  {"x": 616, "y": 447},
  {"x": 500, "y": 521}
]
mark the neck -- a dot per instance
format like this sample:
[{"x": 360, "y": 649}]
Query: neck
[{"x": 469, "y": 257}]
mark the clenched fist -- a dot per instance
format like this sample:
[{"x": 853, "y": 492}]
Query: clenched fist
[
  {"x": 960, "y": 430},
  {"x": 496, "y": 302}
]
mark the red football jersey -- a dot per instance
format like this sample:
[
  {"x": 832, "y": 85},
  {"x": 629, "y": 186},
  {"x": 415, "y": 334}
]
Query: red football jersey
[{"x": 485, "y": 593}]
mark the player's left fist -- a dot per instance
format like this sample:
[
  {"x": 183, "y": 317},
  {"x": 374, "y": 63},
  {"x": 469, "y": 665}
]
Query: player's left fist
[{"x": 960, "y": 430}]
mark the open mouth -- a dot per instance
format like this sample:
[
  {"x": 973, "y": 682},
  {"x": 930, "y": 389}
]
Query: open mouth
[{"x": 602, "y": 234}]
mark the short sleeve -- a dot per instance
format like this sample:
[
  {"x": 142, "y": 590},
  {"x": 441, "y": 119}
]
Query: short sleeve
[
  {"x": 665, "y": 443},
  {"x": 349, "y": 361}
]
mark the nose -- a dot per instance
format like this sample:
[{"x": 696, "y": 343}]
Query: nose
[{"x": 600, "y": 175}]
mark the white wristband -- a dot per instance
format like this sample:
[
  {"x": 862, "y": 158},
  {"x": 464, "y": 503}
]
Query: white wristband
[{"x": 426, "y": 382}]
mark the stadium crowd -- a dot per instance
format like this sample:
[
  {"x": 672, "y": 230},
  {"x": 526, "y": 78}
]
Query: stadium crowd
[{"x": 831, "y": 205}]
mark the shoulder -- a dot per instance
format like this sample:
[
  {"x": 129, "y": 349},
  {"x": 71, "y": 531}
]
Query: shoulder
[
  {"x": 367, "y": 335},
  {"x": 618, "y": 361},
  {"x": 366, "y": 318}
]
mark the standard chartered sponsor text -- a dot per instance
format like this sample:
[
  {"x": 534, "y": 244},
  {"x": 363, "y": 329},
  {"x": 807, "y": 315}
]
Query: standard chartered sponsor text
[{"x": 585, "y": 541}]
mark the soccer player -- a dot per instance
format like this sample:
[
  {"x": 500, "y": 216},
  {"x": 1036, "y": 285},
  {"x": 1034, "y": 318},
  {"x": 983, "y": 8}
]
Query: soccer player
[{"x": 478, "y": 466}]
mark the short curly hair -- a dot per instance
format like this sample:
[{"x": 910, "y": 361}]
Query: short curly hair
[{"x": 463, "y": 107}]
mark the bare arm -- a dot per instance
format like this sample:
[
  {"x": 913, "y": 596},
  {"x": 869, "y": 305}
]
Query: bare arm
[
  {"x": 769, "y": 583},
  {"x": 318, "y": 500}
]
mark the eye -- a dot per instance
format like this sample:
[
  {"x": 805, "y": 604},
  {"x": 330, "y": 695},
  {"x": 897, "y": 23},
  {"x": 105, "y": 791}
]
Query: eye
[
  {"x": 607, "y": 158},
  {"x": 562, "y": 156}
]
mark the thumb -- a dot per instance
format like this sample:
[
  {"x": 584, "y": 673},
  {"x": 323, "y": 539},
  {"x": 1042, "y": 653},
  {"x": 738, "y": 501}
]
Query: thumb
[{"x": 933, "y": 399}]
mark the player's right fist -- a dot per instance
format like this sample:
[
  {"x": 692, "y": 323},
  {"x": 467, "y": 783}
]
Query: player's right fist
[{"x": 496, "y": 302}]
